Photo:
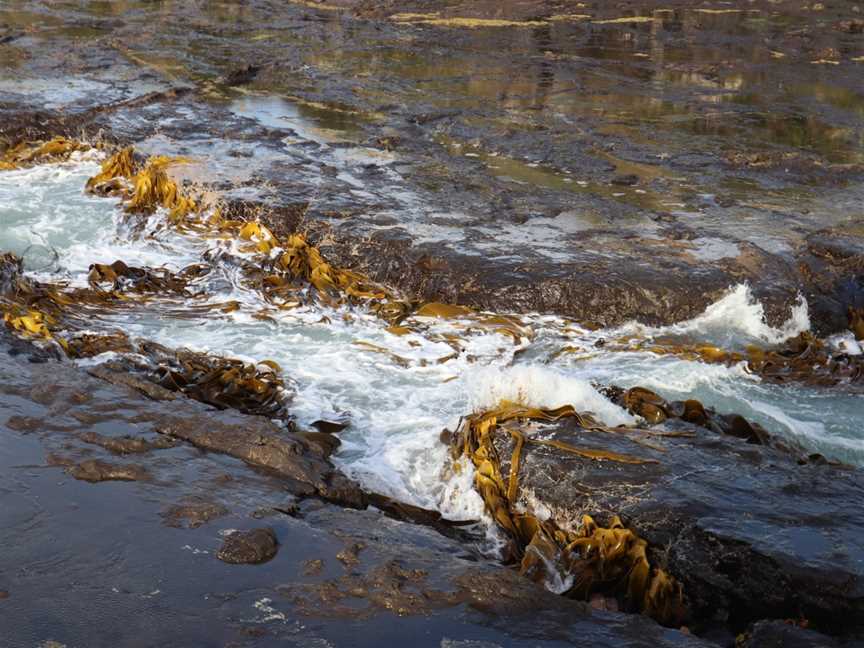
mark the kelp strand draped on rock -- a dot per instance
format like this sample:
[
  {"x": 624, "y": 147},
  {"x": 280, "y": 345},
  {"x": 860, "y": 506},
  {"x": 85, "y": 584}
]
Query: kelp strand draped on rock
[
  {"x": 801, "y": 359},
  {"x": 611, "y": 560},
  {"x": 297, "y": 263}
]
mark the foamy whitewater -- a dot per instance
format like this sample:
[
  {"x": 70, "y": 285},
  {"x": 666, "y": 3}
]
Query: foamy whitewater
[{"x": 397, "y": 413}]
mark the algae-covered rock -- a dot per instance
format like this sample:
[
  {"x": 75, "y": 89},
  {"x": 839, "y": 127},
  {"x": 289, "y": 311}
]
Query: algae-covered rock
[{"x": 744, "y": 531}]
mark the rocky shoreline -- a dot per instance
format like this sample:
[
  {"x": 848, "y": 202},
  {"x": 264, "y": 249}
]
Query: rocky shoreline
[
  {"x": 574, "y": 188},
  {"x": 697, "y": 504}
]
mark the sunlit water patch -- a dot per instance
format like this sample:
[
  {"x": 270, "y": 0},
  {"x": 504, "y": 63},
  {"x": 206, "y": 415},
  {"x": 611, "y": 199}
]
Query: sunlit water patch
[{"x": 397, "y": 410}]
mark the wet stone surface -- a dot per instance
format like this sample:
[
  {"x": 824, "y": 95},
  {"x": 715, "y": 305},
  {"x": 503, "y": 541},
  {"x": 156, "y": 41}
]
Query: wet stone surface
[
  {"x": 163, "y": 578},
  {"x": 248, "y": 547},
  {"x": 499, "y": 183}
]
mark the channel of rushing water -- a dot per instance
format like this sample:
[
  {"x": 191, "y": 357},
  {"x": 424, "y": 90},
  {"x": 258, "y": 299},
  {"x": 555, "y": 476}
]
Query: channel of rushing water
[{"x": 398, "y": 409}]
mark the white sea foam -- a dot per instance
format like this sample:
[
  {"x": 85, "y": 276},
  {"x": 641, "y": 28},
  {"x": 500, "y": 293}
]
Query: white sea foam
[
  {"x": 737, "y": 317},
  {"x": 539, "y": 386}
]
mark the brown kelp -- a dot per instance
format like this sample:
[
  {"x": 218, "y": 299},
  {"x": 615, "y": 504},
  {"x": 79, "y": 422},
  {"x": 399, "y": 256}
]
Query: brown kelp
[
  {"x": 289, "y": 271},
  {"x": 251, "y": 388},
  {"x": 25, "y": 154},
  {"x": 147, "y": 185},
  {"x": 591, "y": 559},
  {"x": 117, "y": 278},
  {"x": 49, "y": 314},
  {"x": 801, "y": 359}
]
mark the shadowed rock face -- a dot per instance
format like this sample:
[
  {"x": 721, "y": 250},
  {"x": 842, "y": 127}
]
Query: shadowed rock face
[
  {"x": 748, "y": 531},
  {"x": 785, "y": 634}
]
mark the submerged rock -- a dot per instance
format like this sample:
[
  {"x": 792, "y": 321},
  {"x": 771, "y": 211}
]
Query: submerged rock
[
  {"x": 127, "y": 444},
  {"x": 96, "y": 470},
  {"x": 249, "y": 547},
  {"x": 192, "y": 515}
]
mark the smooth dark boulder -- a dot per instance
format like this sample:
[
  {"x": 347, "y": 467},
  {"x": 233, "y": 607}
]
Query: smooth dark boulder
[{"x": 248, "y": 547}]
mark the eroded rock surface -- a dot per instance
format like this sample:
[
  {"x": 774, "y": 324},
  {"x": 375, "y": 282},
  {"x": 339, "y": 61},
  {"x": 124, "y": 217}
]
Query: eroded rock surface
[{"x": 192, "y": 514}]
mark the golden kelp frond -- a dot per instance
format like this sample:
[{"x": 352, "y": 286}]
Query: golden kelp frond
[
  {"x": 120, "y": 165},
  {"x": 443, "y": 311},
  {"x": 305, "y": 261},
  {"x": 152, "y": 188},
  {"x": 26, "y": 154},
  {"x": 222, "y": 382},
  {"x": 600, "y": 556},
  {"x": 260, "y": 236},
  {"x": 29, "y": 322},
  {"x": 610, "y": 560}
]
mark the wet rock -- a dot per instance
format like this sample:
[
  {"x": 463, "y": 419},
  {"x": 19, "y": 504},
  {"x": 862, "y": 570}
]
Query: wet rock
[
  {"x": 313, "y": 567},
  {"x": 784, "y": 634},
  {"x": 193, "y": 514},
  {"x": 323, "y": 444},
  {"x": 117, "y": 375},
  {"x": 261, "y": 443},
  {"x": 742, "y": 527},
  {"x": 96, "y": 470},
  {"x": 350, "y": 555},
  {"x": 330, "y": 427},
  {"x": 127, "y": 444},
  {"x": 242, "y": 75},
  {"x": 627, "y": 180},
  {"x": 832, "y": 266},
  {"x": 249, "y": 547}
]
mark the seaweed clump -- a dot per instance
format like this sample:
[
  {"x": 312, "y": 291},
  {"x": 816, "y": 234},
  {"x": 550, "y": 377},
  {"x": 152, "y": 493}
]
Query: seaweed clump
[
  {"x": 801, "y": 359},
  {"x": 611, "y": 561},
  {"x": 284, "y": 268},
  {"x": 26, "y": 154}
]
